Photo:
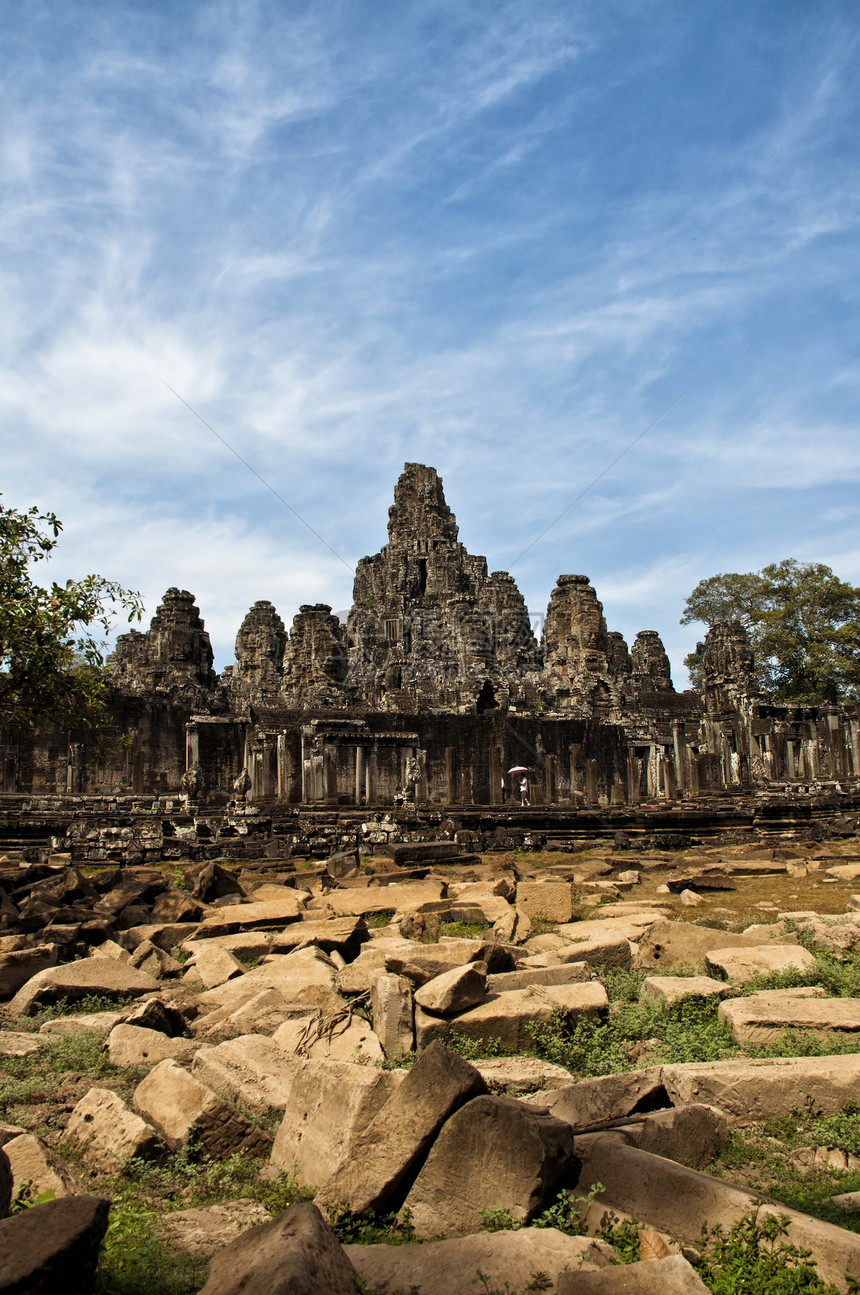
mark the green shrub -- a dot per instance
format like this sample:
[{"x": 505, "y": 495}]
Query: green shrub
[{"x": 753, "y": 1258}]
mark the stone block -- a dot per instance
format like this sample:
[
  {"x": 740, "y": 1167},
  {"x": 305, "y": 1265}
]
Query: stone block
[
  {"x": 610, "y": 1097},
  {"x": 53, "y": 1247},
  {"x": 74, "y": 980},
  {"x": 666, "y": 943},
  {"x": 133, "y": 1045},
  {"x": 455, "y": 990},
  {"x": 99, "y": 1024},
  {"x": 673, "y": 1275},
  {"x": 741, "y": 965},
  {"x": 384, "y": 1158},
  {"x": 19, "y": 965},
  {"x": 493, "y": 1149},
  {"x": 328, "y": 1106},
  {"x": 761, "y": 1018},
  {"x": 509, "y": 1017},
  {"x": 107, "y": 1133},
  {"x": 516, "y": 1076},
  {"x": 268, "y": 914},
  {"x": 344, "y": 935},
  {"x": 672, "y": 989},
  {"x": 214, "y": 964},
  {"x": 188, "y": 1114},
  {"x": 397, "y": 897},
  {"x": 36, "y": 1170},
  {"x": 345, "y": 1037},
  {"x": 252, "y": 1070},
  {"x": 552, "y": 901},
  {"x": 448, "y": 1267},
  {"x": 295, "y": 1254},
  {"x": 754, "y": 1091},
  {"x": 692, "y": 1135},
  {"x": 392, "y": 1013},
  {"x": 295, "y": 975},
  {"x": 6, "y": 1183},
  {"x": 200, "y": 1232},
  {"x": 568, "y": 973}
]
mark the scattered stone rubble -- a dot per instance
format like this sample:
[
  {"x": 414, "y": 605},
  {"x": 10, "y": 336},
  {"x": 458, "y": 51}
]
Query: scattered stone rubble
[{"x": 260, "y": 1012}]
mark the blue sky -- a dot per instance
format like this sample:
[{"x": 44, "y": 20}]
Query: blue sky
[{"x": 496, "y": 238}]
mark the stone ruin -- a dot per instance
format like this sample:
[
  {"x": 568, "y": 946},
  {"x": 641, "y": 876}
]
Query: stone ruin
[{"x": 434, "y": 688}]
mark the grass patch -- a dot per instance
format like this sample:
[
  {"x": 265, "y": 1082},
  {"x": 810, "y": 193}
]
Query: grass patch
[
  {"x": 464, "y": 930},
  {"x": 29, "y": 1080},
  {"x": 377, "y": 920}
]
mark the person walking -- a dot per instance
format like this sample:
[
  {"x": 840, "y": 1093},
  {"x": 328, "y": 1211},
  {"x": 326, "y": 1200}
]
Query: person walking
[{"x": 524, "y": 791}]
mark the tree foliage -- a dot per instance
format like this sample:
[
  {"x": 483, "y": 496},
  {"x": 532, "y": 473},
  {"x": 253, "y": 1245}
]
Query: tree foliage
[
  {"x": 51, "y": 637},
  {"x": 803, "y": 623}
]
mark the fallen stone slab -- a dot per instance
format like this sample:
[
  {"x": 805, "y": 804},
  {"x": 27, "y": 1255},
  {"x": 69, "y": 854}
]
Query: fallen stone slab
[
  {"x": 268, "y": 914},
  {"x": 345, "y": 935},
  {"x": 385, "y": 1157},
  {"x": 550, "y": 900},
  {"x": 600, "y": 951},
  {"x": 98, "y": 1024},
  {"x": 295, "y": 1254},
  {"x": 385, "y": 899},
  {"x": 19, "y": 965},
  {"x": 74, "y": 980},
  {"x": 565, "y": 973},
  {"x": 165, "y": 935},
  {"x": 422, "y": 851},
  {"x": 673, "y": 989},
  {"x": 673, "y": 1275},
  {"x": 133, "y": 1045},
  {"x": 741, "y": 965},
  {"x": 107, "y": 1133},
  {"x": 450, "y": 1267},
  {"x": 692, "y": 1135},
  {"x": 391, "y": 1011},
  {"x": 252, "y": 1070},
  {"x": 675, "y": 1199},
  {"x": 15, "y": 1044},
  {"x": 247, "y": 946},
  {"x": 455, "y": 990},
  {"x": 510, "y": 1017},
  {"x": 188, "y": 1114},
  {"x": 200, "y": 1232},
  {"x": 328, "y": 1106},
  {"x": 610, "y": 1097},
  {"x": 495, "y": 1152},
  {"x": 762, "y": 1018},
  {"x": 515, "y": 1076},
  {"x": 53, "y": 1247},
  {"x": 293, "y": 974},
  {"x": 214, "y": 964},
  {"x": 261, "y": 1014},
  {"x": 665, "y": 943},
  {"x": 36, "y": 1169},
  {"x": 421, "y": 963},
  {"x": 754, "y": 1091},
  {"x": 345, "y": 1037}
]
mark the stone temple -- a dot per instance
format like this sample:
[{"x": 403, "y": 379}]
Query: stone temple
[{"x": 433, "y": 689}]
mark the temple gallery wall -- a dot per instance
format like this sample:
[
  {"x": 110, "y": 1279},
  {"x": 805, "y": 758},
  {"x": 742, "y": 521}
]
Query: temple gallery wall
[{"x": 433, "y": 689}]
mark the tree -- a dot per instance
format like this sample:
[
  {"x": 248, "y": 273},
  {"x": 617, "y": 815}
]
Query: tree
[
  {"x": 51, "y": 662},
  {"x": 803, "y": 623}
]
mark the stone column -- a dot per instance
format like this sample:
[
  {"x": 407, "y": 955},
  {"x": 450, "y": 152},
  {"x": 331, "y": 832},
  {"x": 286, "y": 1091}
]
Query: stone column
[
  {"x": 371, "y": 777},
  {"x": 192, "y": 745},
  {"x": 550, "y": 779},
  {"x": 790, "y": 772},
  {"x": 591, "y": 782},
  {"x": 854, "y": 731},
  {"x": 495, "y": 776},
  {"x": 634, "y": 777},
  {"x": 359, "y": 773},
  {"x": 73, "y": 768},
  {"x": 668, "y": 777},
  {"x": 679, "y": 742},
  {"x": 576, "y": 772},
  {"x": 422, "y": 791},
  {"x": 450, "y": 775}
]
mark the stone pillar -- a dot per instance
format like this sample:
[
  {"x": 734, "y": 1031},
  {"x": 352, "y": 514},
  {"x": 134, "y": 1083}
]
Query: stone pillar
[
  {"x": 591, "y": 782},
  {"x": 634, "y": 777},
  {"x": 550, "y": 779},
  {"x": 74, "y": 765},
  {"x": 790, "y": 771},
  {"x": 192, "y": 745},
  {"x": 854, "y": 730},
  {"x": 422, "y": 791},
  {"x": 371, "y": 777},
  {"x": 617, "y": 794},
  {"x": 693, "y": 766},
  {"x": 359, "y": 773},
  {"x": 653, "y": 782},
  {"x": 576, "y": 772},
  {"x": 306, "y": 772},
  {"x": 466, "y": 797},
  {"x": 679, "y": 742},
  {"x": 450, "y": 775},
  {"x": 668, "y": 777},
  {"x": 496, "y": 776}
]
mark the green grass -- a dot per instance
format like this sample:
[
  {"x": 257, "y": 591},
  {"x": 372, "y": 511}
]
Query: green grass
[
  {"x": 33, "y": 1079},
  {"x": 377, "y": 920}
]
